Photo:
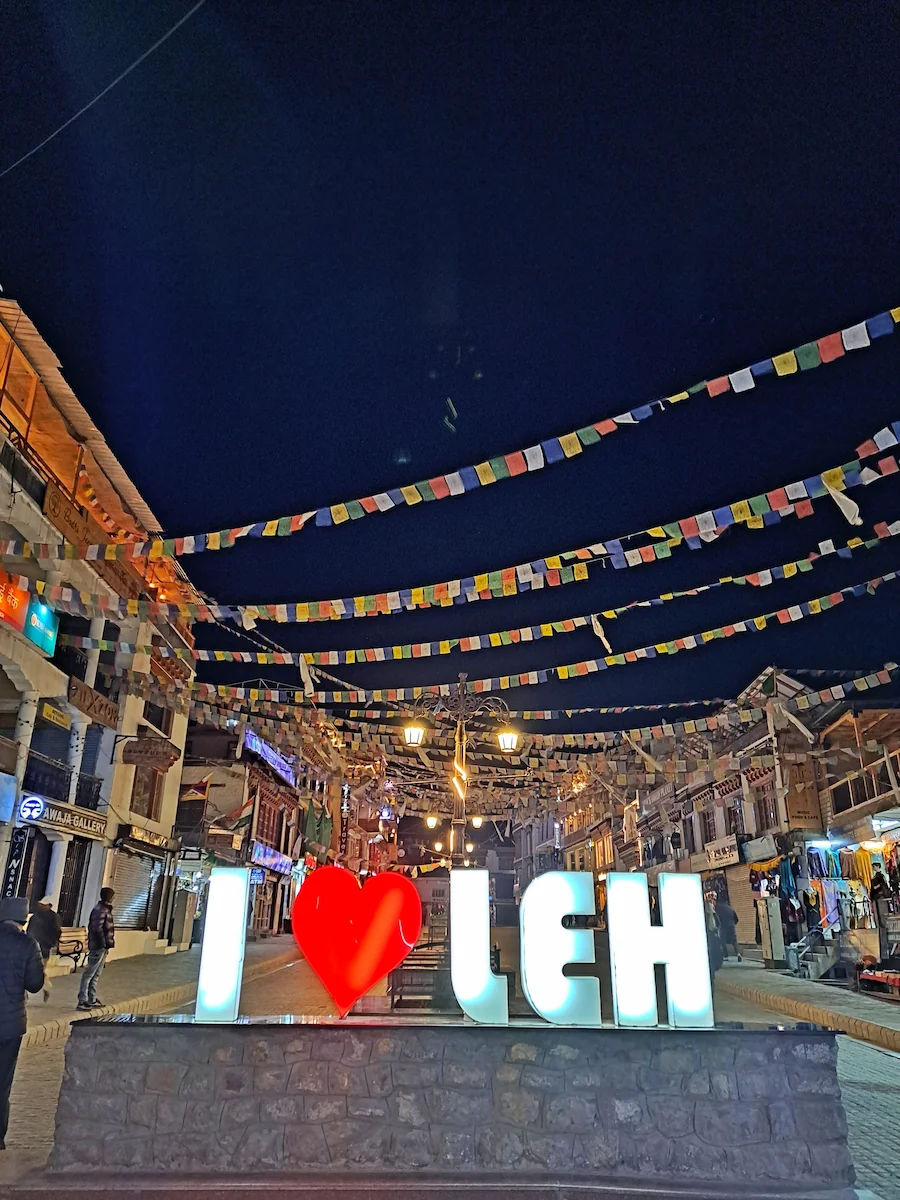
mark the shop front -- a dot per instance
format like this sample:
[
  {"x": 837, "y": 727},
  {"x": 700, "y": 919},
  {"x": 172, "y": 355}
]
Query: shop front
[
  {"x": 271, "y": 890},
  {"x": 143, "y": 877},
  {"x": 49, "y": 854}
]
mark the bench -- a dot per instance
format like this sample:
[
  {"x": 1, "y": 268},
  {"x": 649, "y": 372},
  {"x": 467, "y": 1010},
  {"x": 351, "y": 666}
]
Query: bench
[{"x": 73, "y": 944}]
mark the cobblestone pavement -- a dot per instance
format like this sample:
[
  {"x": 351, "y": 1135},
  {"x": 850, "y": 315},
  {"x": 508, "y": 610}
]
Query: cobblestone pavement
[{"x": 870, "y": 1080}]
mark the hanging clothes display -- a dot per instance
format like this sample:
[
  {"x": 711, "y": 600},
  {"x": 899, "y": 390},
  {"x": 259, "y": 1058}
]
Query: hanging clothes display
[
  {"x": 816, "y": 864},
  {"x": 863, "y": 860},
  {"x": 848, "y": 864}
]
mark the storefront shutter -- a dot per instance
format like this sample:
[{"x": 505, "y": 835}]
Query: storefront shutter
[
  {"x": 132, "y": 883},
  {"x": 742, "y": 900}
]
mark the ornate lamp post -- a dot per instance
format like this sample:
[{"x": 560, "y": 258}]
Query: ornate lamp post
[{"x": 463, "y": 706}]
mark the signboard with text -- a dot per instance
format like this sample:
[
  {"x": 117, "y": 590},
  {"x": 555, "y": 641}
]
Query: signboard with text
[
  {"x": 722, "y": 853},
  {"x": 77, "y": 527},
  {"x": 13, "y": 603},
  {"x": 279, "y": 765},
  {"x": 37, "y": 810},
  {"x": 41, "y": 625},
  {"x": 93, "y": 703},
  {"x": 265, "y": 856},
  {"x": 155, "y": 752}
]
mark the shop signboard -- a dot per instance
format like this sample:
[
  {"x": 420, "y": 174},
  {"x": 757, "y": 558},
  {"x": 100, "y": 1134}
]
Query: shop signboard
[
  {"x": 134, "y": 833},
  {"x": 18, "y": 845},
  {"x": 13, "y": 603},
  {"x": 41, "y": 625},
  {"x": 802, "y": 800},
  {"x": 265, "y": 856},
  {"x": 82, "y": 530},
  {"x": 93, "y": 703},
  {"x": 279, "y": 765},
  {"x": 55, "y": 716},
  {"x": 723, "y": 852},
  {"x": 152, "y": 751},
  {"x": 345, "y": 818},
  {"x": 760, "y": 849},
  {"x": 257, "y": 876},
  {"x": 37, "y": 810}
]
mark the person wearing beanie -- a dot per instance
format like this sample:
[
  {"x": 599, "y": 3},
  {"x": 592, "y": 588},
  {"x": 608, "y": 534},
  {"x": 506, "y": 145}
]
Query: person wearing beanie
[
  {"x": 45, "y": 927},
  {"x": 101, "y": 939},
  {"x": 21, "y": 971}
]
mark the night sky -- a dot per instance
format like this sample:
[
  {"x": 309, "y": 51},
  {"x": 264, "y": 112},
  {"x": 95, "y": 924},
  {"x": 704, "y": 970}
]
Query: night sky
[{"x": 248, "y": 255}]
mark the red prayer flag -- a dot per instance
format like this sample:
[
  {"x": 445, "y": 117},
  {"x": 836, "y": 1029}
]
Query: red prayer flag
[
  {"x": 516, "y": 463},
  {"x": 777, "y": 499},
  {"x": 866, "y": 449},
  {"x": 689, "y": 527},
  {"x": 439, "y": 486},
  {"x": 888, "y": 466},
  {"x": 803, "y": 508},
  {"x": 830, "y": 347},
  {"x": 605, "y": 426},
  {"x": 716, "y": 387}
]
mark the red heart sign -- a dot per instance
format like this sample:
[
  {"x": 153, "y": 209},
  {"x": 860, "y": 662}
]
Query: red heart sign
[{"x": 353, "y": 936}]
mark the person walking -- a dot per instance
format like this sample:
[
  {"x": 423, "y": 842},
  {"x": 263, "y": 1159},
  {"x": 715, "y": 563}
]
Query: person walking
[
  {"x": 713, "y": 937},
  {"x": 101, "y": 939},
  {"x": 45, "y": 926},
  {"x": 21, "y": 971},
  {"x": 728, "y": 920}
]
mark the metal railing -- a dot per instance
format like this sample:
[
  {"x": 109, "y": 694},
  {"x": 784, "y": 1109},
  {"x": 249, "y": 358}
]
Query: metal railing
[{"x": 51, "y": 779}]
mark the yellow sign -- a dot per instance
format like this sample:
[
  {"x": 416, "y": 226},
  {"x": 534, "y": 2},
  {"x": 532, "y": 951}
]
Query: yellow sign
[{"x": 55, "y": 717}]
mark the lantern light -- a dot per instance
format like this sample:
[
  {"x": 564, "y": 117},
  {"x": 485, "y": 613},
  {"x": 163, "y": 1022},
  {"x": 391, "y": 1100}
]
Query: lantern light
[
  {"x": 414, "y": 734},
  {"x": 477, "y": 822},
  {"x": 431, "y": 821},
  {"x": 508, "y": 739},
  {"x": 470, "y": 846},
  {"x": 439, "y": 846}
]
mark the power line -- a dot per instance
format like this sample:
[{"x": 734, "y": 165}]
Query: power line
[{"x": 137, "y": 62}]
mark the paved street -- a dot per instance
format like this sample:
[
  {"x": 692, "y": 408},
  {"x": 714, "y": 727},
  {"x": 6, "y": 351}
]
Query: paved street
[{"x": 870, "y": 1079}]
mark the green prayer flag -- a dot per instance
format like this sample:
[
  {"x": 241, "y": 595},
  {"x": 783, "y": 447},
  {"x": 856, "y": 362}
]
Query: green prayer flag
[
  {"x": 759, "y": 505},
  {"x": 354, "y": 509},
  {"x": 284, "y": 525},
  {"x": 662, "y": 550},
  {"x": 567, "y": 574},
  {"x": 587, "y": 436},
  {"x": 698, "y": 387},
  {"x": 499, "y": 467},
  {"x": 423, "y": 488},
  {"x": 808, "y": 356}
]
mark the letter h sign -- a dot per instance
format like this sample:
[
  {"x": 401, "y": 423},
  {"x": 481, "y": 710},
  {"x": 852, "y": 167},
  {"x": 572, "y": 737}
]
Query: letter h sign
[{"x": 635, "y": 946}]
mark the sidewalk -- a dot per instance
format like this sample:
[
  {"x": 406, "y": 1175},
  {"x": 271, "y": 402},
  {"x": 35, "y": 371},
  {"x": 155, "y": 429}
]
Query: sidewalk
[
  {"x": 145, "y": 984},
  {"x": 869, "y": 1020}
]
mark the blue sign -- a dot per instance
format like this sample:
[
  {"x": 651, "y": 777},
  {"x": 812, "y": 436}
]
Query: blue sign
[
  {"x": 32, "y": 808},
  {"x": 258, "y": 875},
  {"x": 279, "y": 765},
  {"x": 41, "y": 625}
]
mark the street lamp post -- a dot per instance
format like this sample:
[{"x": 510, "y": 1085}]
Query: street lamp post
[{"x": 463, "y": 706}]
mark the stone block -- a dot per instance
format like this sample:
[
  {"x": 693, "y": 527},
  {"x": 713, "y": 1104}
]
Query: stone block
[
  {"x": 762, "y": 1083},
  {"x": 457, "y": 1074},
  {"x": 129, "y": 1153},
  {"x": 832, "y": 1162},
  {"x": 820, "y": 1120},
  {"x": 199, "y": 1083},
  {"x": 366, "y": 1107},
  {"x": 165, "y": 1077},
  {"x": 505, "y": 1073},
  {"x": 357, "y": 1143},
  {"x": 715, "y": 1054},
  {"x": 80, "y": 1071},
  {"x": 261, "y": 1051},
  {"x": 524, "y": 1052},
  {"x": 261, "y": 1147},
  {"x": 357, "y": 1051},
  {"x": 411, "y": 1148},
  {"x": 697, "y": 1083},
  {"x": 279, "y": 1110},
  {"x": 650, "y": 1155},
  {"x": 631, "y": 1113},
  {"x": 234, "y": 1081},
  {"x": 409, "y": 1108},
  {"x": 562, "y": 1055},
  {"x": 759, "y": 1054},
  {"x": 672, "y": 1115},
  {"x": 78, "y": 1153},
  {"x": 554, "y": 1151},
  {"x": 422, "y": 1048},
  {"x": 298, "y": 1048},
  {"x": 347, "y": 1080},
  {"x": 102, "y": 1110},
  {"x": 190, "y": 1152},
  {"x": 544, "y": 1079},
  {"x": 723, "y": 1085},
  {"x": 778, "y": 1160},
  {"x": 728, "y": 1123},
  {"x": 597, "y": 1151},
  {"x": 822, "y": 1081},
  {"x": 309, "y": 1077},
  {"x": 498, "y": 1146},
  {"x": 170, "y": 1114},
  {"x": 142, "y": 1111},
  {"x": 417, "y": 1074},
  {"x": 379, "y": 1079},
  {"x": 271, "y": 1079},
  {"x": 675, "y": 1059},
  {"x": 228, "y": 1054},
  {"x": 697, "y": 1160},
  {"x": 177, "y": 1046},
  {"x": 450, "y": 1106},
  {"x": 240, "y": 1110},
  {"x": 305, "y": 1146},
  {"x": 328, "y": 1045},
  {"x": 319, "y": 1109},
  {"x": 517, "y": 1106},
  {"x": 822, "y": 1052},
  {"x": 386, "y": 1048},
  {"x": 570, "y": 1112},
  {"x": 781, "y": 1119},
  {"x": 652, "y": 1080},
  {"x": 203, "y": 1114},
  {"x": 580, "y": 1079},
  {"x": 453, "y": 1147},
  {"x": 474, "y": 1049}
]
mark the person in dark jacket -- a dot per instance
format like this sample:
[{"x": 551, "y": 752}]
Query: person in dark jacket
[
  {"x": 728, "y": 920},
  {"x": 21, "y": 971},
  {"x": 45, "y": 927},
  {"x": 101, "y": 939}
]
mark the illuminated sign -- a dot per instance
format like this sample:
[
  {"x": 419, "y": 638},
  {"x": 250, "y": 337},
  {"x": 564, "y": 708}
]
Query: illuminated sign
[
  {"x": 41, "y": 625},
  {"x": 265, "y": 856},
  {"x": 13, "y": 603},
  {"x": 32, "y": 808},
  {"x": 279, "y": 765},
  {"x": 723, "y": 853},
  {"x": 257, "y": 876},
  {"x": 224, "y": 940}
]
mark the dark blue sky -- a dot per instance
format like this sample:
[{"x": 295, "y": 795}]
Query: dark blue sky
[{"x": 247, "y": 256}]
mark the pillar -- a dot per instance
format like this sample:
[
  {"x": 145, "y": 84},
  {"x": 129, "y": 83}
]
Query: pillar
[
  {"x": 95, "y": 633},
  {"x": 77, "y": 735},
  {"x": 28, "y": 706},
  {"x": 57, "y": 866}
]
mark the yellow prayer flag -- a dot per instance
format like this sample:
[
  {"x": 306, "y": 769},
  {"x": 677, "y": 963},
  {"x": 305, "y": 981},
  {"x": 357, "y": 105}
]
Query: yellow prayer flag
[
  {"x": 553, "y": 563},
  {"x": 409, "y": 494},
  {"x": 755, "y": 522},
  {"x": 785, "y": 364},
  {"x": 854, "y": 542},
  {"x": 707, "y": 635},
  {"x": 504, "y": 681},
  {"x": 485, "y": 473},
  {"x": 678, "y": 396},
  {"x": 562, "y": 672},
  {"x": 815, "y": 606},
  {"x": 741, "y": 511},
  {"x": 547, "y": 630},
  {"x": 610, "y": 614},
  {"x": 581, "y": 571},
  {"x": 396, "y": 651},
  {"x": 481, "y": 582},
  {"x": 418, "y": 595},
  {"x": 656, "y": 532},
  {"x": 302, "y": 612},
  {"x": 444, "y": 647},
  {"x": 271, "y": 527},
  {"x": 895, "y": 313},
  {"x": 220, "y": 655},
  {"x": 834, "y": 478},
  {"x": 509, "y": 587},
  {"x": 570, "y": 444},
  {"x": 759, "y": 622},
  {"x": 495, "y": 639},
  {"x": 661, "y": 648},
  {"x": 667, "y": 596},
  {"x": 790, "y": 569},
  {"x": 359, "y": 604},
  {"x": 156, "y": 548},
  {"x": 214, "y": 540}
]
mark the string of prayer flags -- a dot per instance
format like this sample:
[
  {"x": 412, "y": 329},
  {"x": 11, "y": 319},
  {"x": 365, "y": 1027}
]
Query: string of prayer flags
[{"x": 507, "y": 466}]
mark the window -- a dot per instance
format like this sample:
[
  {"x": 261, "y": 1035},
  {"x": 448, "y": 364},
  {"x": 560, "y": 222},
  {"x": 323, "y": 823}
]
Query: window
[
  {"x": 146, "y": 793},
  {"x": 159, "y": 717},
  {"x": 708, "y": 825},
  {"x": 766, "y": 806},
  {"x": 267, "y": 823},
  {"x": 689, "y": 841},
  {"x": 734, "y": 819}
]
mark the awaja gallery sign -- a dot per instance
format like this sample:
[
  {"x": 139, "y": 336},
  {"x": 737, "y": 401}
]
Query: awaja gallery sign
[{"x": 354, "y": 936}]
